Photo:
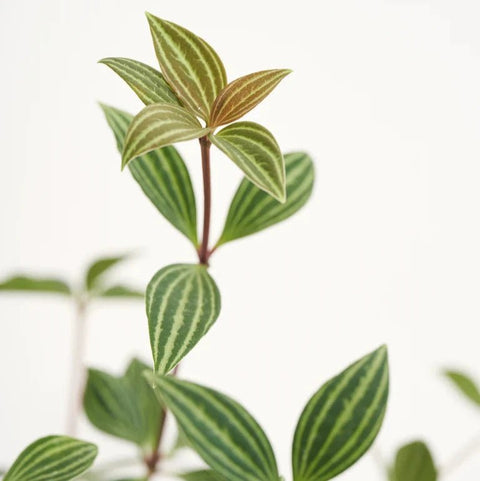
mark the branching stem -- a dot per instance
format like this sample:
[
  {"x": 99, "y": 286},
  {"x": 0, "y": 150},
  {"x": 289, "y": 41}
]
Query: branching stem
[{"x": 461, "y": 456}]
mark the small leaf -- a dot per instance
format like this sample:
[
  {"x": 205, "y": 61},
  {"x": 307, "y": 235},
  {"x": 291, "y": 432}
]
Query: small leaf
[
  {"x": 121, "y": 291},
  {"x": 414, "y": 462},
  {"x": 163, "y": 177},
  {"x": 243, "y": 94},
  {"x": 34, "y": 284},
  {"x": 341, "y": 420},
  {"x": 159, "y": 125},
  {"x": 145, "y": 81},
  {"x": 252, "y": 210},
  {"x": 191, "y": 67},
  {"x": 465, "y": 384},
  {"x": 202, "y": 475},
  {"x": 183, "y": 302},
  {"x": 254, "y": 149},
  {"x": 222, "y": 432},
  {"x": 53, "y": 458},
  {"x": 98, "y": 268}
]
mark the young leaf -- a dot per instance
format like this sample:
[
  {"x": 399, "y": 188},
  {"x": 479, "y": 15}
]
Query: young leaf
[
  {"x": 163, "y": 177},
  {"x": 341, "y": 420},
  {"x": 121, "y": 291},
  {"x": 202, "y": 475},
  {"x": 222, "y": 432},
  {"x": 183, "y": 302},
  {"x": 33, "y": 284},
  {"x": 254, "y": 149},
  {"x": 53, "y": 458},
  {"x": 98, "y": 268},
  {"x": 414, "y": 462},
  {"x": 145, "y": 81},
  {"x": 190, "y": 65},
  {"x": 159, "y": 125},
  {"x": 243, "y": 94},
  {"x": 252, "y": 210},
  {"x": 465, "y": 385}
]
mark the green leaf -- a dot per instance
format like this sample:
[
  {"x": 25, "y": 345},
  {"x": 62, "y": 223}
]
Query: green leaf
[
  {"x": 341, "y": 420},
  {"x": 465, "y": 384},
  {"x": 145, "y": 81},
  {"x": 163, "y": 177},
  {"x": 121, "y": 291},
  {"x": 243, "y": 94},
  {"x": 190, "y": 65},
  {"x": 252, "y": 210},
  {"x": 159, "y": 125},
  {"x": 254, "y": 149},
  {"x": 414, "y": 462},
  {"x": 202, "y": 475},
  {"x": 183, "y": 302},
  {"x": 222, "y": 432},
  {"x": 98, "y": 268},
  {"x": 35, "y": 284},
  {"x": 125, "y": 407},
  {"x": 53, "y": 458}
]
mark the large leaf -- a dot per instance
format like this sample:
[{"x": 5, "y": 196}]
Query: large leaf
[
  {"x": 222, "y": 432},
  {"x": 120, "y": 291},
  {"x": 98, "y": 268},
  {"x": 252, "y": 210},
  {"x": 125, "y": 407},
  {"x": 159, "y": 125},
  {"x": 414, "y": 462},
  {"x": 190, "y": 65},
  {"x": 243, "y": 94},
  {"x": 202, "y": 475},
  {"x": 145, "y": 81},
  {"x": 183, "y": 302},
  {"x": 163, "y": 177},
  {"x": 341, "y": 420},
  {"x": 35, "y": 284},
  {"x": 53, "y": 458},
  {"x": 465, "y": 384},
  {"x": 254, "y": 149}
]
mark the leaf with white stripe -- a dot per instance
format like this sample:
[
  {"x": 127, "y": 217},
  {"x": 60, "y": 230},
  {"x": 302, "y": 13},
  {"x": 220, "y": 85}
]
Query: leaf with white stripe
[
  {"x": 243, "y": 94},
  {"x": 414, "y": 462},
  {"x": 24, "y": 283},
  {"x": 252, "y": 210},
  {"x": 254, "y": 149},
  {"x": 191, "y": 67},
  {"x": 202, "y": 475},
  {"x": 53, "y": 458},
  {"x": 465, "y": 385},
  {"x": 341, "y": 420},
  {"x": 220, "y": 430},
  {"x": 183, "y": 302},
  {"x": 148, "y": 83},
  {"x": 163, "y": 177}
]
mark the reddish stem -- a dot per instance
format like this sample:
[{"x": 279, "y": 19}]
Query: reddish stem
[{"x": 203, "y": 252}]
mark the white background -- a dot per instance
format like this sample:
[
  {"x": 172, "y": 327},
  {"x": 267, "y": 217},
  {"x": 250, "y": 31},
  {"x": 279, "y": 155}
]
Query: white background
[{"x": 384, "y": 95}]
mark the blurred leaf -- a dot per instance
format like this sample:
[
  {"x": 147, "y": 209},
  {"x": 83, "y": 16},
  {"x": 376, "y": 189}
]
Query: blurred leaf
[
  {"x": 98, "y": 268},
  {"x": 33, "y": 284},
  {"x": 414, "y": 462},
  {"x": 465, "y": 384},
  {"x": 202, "y": 475},
  {"x": 121, "y": 291}
]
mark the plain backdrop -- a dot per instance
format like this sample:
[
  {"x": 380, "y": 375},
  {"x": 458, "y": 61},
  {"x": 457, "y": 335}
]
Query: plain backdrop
[{"x": 384, "y": 96}]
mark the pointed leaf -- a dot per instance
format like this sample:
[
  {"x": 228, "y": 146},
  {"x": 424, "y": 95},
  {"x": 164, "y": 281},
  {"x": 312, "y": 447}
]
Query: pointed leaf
[
  {"x": 252, "y": 210},
  {"x": 99, "y": 268},
  {"x": 254, "y": 149},
  {"x": 145, "y": 81},
  {"x": 202, "y": 475},
  {"x": 183, "y": 302},
  {"x": 190, "y": 65},
  {"x": 121, "y": 291},
  {"x": 465, "y": 384},
  {"x": 34, "y": 284},
  {"x": 243, "y": 94},
  {"x": 53, "y": 458},
  {"x": 341, "y": 420},
  {"x": 163, "y": 177},
  {"x": 159, "y": 125},
  {"x": 222, "y": 432},
  {"x": 414, "y": 462}
]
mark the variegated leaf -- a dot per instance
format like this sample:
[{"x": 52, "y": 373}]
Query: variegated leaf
[
  {"x": 53, "y": 458},
  {"x": 148, "y": 83},
  {"x": 253, "y": 210},
  {"x": 158, "y": 125},
  {"x": 341, "y": 420},
  {"x": 202, "y": 475},
  {"x": 465, "y": 385},
  {"x": 183, "y": 302},
  {"x": 243, "y": 94},
  {"x": 163, "y": 177},
  {"x": 191, "y": 67},
  {"x": 414, "y": 462},
  {"x": 220, "y": 430},
  {"x": 254, "y": 149},
  {"x": 35, "y": 284}
]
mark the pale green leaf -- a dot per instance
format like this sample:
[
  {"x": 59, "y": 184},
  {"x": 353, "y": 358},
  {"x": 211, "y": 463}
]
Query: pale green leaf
[
  {"x": 254, "y": 149},
  {"x": 414, "y": 462},
  {"x": 202, "y": 475},
  {"x": 464, "y": 384},
  {"x": 35, "y": 284},
  {"x": 120, "y": 291},
  {"x": 98, "y": 268},
  {"x": 183, "y": 302},
  {"x": 341, "y": 420}
]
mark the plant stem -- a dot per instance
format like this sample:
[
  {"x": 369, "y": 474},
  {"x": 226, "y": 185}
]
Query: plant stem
[
  {"x": 461, "y": 456},
  {"x": 203, "y": 252}
]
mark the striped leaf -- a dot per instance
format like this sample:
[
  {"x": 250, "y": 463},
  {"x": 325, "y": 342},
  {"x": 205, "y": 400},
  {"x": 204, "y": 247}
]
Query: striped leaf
[
  {"x": 35, "y": 284},
  {"x": 159, "y": 125},
  {"x": 341, "y": 420},
  {"x": 98, "y": 268},
  {"x": 53, "y": 458},
  {"x": 125, "y": 407},
  {"x": 148, "y": 83},
  {"x": 183, "y": 302},
  {"x": 243, "y": 94},
  {"x": 414, "y": 462},
  {"x": 163, "y": 177},
  {"x": 202, "y": 475},
  {"x": 254, "y": 149},
  {"x": 189, "y": 64},
  {"x": 465, "y": 385},
  {"x": 222, "y": 432},
  {"x": 252, "y": 210}
]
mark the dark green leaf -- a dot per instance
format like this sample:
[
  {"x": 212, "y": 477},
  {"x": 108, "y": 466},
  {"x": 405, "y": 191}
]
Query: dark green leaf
[
  {"x": 465, "y": 384},
  {"x": 202, "y": 475},
  {"x": 98, "y": 268},
  {"x": 33, "y": 284},
  {"x": 414, "y": 462},
  {"x": 121, "y": 291}
]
